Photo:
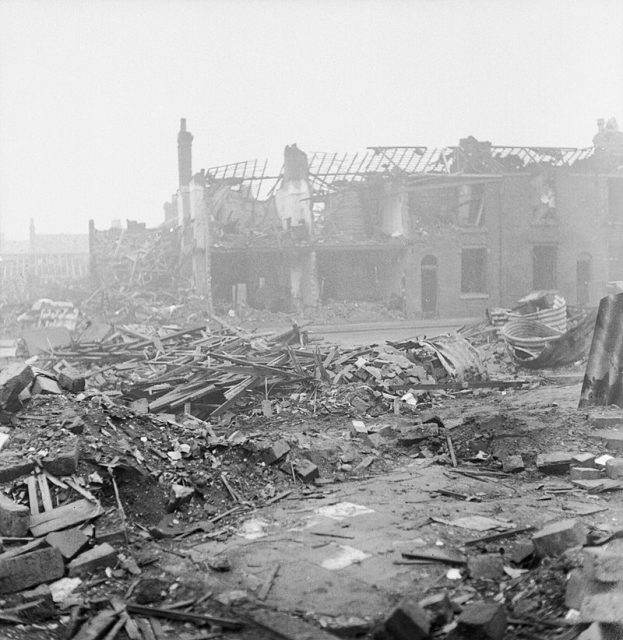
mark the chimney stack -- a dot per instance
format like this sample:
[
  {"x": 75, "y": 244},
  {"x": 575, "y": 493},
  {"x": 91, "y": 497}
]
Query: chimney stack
[{"x": 184, "y": 154}]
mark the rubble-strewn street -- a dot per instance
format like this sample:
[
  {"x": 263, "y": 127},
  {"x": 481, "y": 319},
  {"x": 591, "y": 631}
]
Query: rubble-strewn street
[{"x": 213, "y": 482}]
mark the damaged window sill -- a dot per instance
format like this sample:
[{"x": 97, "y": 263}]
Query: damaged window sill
[{"x": 474, "y": 296}]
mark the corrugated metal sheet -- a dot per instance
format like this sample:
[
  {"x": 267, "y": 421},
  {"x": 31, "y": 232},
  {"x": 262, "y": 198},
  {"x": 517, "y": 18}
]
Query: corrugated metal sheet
[
  {"x": 556, "y": 317},
  {"x": 529, "y": 334},
  {"x": 458, "y": 357},
  {"x": 569, "y": 348},
  {"x": 603, "y": 380}
]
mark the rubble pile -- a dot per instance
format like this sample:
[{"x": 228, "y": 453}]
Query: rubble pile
[
  {"x": 210, "y": 373},
  {"x": 205, "y": 481},
  {"x": 138, "y": 272}
]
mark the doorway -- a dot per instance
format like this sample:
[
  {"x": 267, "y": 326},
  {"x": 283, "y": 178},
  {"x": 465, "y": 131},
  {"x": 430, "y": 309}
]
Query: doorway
[
  {"x": 428, "y": 269},
  {"x": 584, "y": 276}
]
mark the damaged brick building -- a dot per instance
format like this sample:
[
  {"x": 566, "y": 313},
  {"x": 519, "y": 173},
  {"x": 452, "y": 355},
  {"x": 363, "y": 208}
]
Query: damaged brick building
[{"x": 444, "y": 232}]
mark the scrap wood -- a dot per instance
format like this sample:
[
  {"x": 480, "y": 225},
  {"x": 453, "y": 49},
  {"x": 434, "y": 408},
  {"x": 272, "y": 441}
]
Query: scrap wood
[
  {"x": 498, "y": 536},
  {"x": 31, "y": 483},
  {"x": 451, "y": 450},
  {"x": 230, "y": 489},
  {"x": 193, "y": 618},
  {"x": 434, "y": 554},
  {"x": 63, "y": 517},
  {"x": 146, "y": 629},
  {"x": 96, "y": 627},
  {"x": 18, "y": 551},
  {"x": 465, "y": 386},
  {"x": 44, "y": 489},
  {"x": 268, "y": 583},
  {"x": 279, "y": 496}
]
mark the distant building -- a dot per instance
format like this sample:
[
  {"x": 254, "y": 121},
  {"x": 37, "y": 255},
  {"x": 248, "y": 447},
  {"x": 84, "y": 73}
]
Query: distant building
[
  {"x": 28, "y": 267},
  {"x": 437, "y": 232}
]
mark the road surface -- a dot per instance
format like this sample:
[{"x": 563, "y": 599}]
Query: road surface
[{"x": 350, "y": 335}]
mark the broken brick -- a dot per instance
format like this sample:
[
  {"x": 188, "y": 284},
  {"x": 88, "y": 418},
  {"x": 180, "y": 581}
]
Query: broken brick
[
  {"x": 13, "y": 380},
  {"x": 71, "y": 380},
  {"x": 522, "y": 552},
  {"x": 64, "y": 462},
  {"x": 30, "y": 569},
  {"x": 275, "y": 452},
  {"x": 605, "y": 420},
  {"x": 585, "y": 473},
  {"x": 614, "y": 468},
  {"x": 584, "y": 459},
  {"x": 14, "y": 518},
  {"x": 110, "y": 527},
  {"x": 45, "y": 385},
  {"x": 486, "y": 566},
  {"x": 512, "y": 464},
  {"x": 613, "y": 438},
  {"x": 413, "y": 435},
  {"x": 140, "y": 406},
  {"x": 99, "y": 557},
  {"x": 482, "y": 620},
  {"x": 69, "y": 542},
  {"x": 358, "y": 428},
  {"x": 559, "y": 536},
  {"x": 13, "y": 466},
  {"x": 604, "y": 564},
  {"x": 307, "y": 470},
  {"x": 555, "y": 463},
  {"x": 408, "y": 621}
]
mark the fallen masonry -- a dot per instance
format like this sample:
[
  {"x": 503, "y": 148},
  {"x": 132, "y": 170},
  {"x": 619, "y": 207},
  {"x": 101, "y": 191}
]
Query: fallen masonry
[{"x": 207, "y": 481}]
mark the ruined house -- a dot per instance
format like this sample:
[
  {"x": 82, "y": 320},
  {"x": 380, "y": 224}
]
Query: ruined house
[
  {"x": 435, "y": 232},
  {"x": 432, "y": 232}
]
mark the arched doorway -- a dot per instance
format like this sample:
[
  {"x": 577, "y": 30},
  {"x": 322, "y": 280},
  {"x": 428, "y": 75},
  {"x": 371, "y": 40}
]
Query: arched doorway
[
  {"x": 428, "y": 269},
  {"x": 584, "y": 277}
]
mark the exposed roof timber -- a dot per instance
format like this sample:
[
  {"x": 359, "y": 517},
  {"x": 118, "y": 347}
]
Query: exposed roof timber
[{"x": 328, "y": 170}]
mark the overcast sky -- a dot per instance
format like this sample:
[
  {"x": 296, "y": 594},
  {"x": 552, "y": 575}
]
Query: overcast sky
[{"x": 91, "y": 92}]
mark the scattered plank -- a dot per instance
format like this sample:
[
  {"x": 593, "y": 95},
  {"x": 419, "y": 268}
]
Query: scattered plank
[
  {"x": 193, "y": 618},
  {"x": 63, "y": 517},
  {"x": 268, "y": 583}
]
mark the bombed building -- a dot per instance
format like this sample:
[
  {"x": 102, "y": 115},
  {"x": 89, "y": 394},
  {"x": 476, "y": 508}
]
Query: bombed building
[{"x": 434, "y": 232}]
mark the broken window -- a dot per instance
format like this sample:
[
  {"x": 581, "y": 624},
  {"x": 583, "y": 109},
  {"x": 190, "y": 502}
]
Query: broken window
[
  {"x": 543, "y": 185},
  {"x": 474, "y": 270},
  {"x": 471, "y": 205},
  {"x": 615, "y": 198},
  {"x": 544, "y": 259}
]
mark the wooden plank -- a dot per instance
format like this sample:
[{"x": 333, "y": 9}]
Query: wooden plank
[
  {"x": 18, "y": 551},
  {"x": 44, "y": 489},
  {"x": 31, "y": 483},
  {"x": 63, "y": 517},
  {"x": 194, "y": 618}
]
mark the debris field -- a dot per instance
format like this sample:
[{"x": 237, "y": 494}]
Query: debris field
[{"x": 205, "y": 481}]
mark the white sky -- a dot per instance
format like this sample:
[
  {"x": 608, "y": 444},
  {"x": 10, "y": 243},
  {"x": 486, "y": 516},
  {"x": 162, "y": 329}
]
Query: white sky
[{"x": 91, "y": 92}]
